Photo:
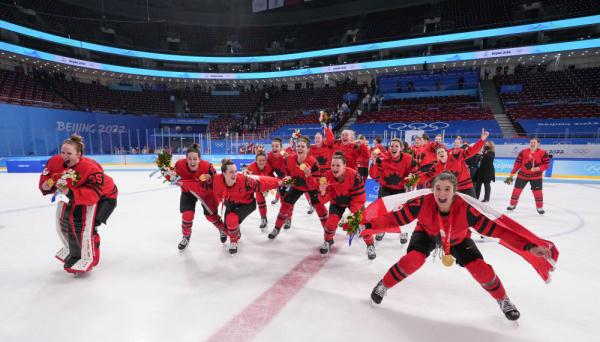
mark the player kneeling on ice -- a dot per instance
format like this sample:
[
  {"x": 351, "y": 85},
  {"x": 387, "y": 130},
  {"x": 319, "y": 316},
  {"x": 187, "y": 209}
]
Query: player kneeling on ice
[
  {"x": 345, "y": 189},
  {"x": 443, "y": 220},
  {"x": 87, "y": 197},
  {"x": 236, "y": 191}
]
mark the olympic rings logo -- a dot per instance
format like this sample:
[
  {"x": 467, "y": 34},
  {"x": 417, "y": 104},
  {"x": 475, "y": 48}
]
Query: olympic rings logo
[
  {"x": 420, "y": 126},
  {"x": 592, "y": 168},
  {"x": 581, "y": 151}
]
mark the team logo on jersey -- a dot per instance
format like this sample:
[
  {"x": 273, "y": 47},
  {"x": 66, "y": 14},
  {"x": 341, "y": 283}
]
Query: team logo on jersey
[{"x": 45, "y": 172}]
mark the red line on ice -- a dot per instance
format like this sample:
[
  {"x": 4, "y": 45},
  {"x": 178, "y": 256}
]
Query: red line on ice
[{"x": 255, "y": 317}]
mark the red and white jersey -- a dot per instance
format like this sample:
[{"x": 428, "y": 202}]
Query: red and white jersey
[
  {"x": 242, "y": 191},
  {"x": 348, "y": 192},
  {"x": 352, "y": 151},
  {"x": 527, "y": 160},
  {"x": 301, "y": 181},
  {"x": 55, "y": 167},
  {"x": 390, "y": 172},
  {"x": 277, "y": 163},
  {"x": 190, "y": 180},
  {"x": 324, "y": 153},
  {"x": 254, "y": 170},
  {"x": 93, "y": 183}
]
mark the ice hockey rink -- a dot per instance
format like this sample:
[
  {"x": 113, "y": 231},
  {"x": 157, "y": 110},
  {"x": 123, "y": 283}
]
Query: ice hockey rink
[{"x": 145, "y": 290}]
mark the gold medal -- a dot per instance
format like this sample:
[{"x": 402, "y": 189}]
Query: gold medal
[
  {"x": 303, "y": 166},
  {"x": 323, "y": 180},
  {"x": 376, "y": 151},
  {"x": 447, "y": 260},
  {"x": 203, "y": 177},
  {"x": 50, "y": 182}
]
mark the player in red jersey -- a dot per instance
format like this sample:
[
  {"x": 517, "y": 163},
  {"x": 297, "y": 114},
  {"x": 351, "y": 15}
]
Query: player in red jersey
[
  {"x": 390, "y": 170},
  {"x": 530, "y": 164},
  {"x": 236, "y": 191},
  {"x": 351, "y": 149},
  {"x": 260, "y": 167},
  {"x": 276, "y": 159},
  {"x": 322, "y": 150},
  {"x": 89, "y": 198},
  {"x": 456, "y": 164},
  {"x": 363, "y": 159},
  {"x": 443, "y": 219},
  {"x": 345, "y": 189},
  {"x": 302, "y": 169},
  {"x": 194, "y": 179},
  {"x": 378, "y": 146}
]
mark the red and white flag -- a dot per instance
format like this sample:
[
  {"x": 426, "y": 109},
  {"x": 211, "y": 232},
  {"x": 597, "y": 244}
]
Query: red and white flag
[{"x": 543, "y": 266}]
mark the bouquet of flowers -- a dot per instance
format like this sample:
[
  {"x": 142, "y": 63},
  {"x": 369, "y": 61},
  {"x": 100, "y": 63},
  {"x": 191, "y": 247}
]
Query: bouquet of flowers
[
  {"x": 412, "y": 180},
  {"x": 289, "y": 181},
  {"x": 69, "y": 178},
  {"x": 352, "y": 225},
  {"x": 163, "y": 161},
  {"x": 296, "y": 134},
  {"x": 324, "y": 118}
]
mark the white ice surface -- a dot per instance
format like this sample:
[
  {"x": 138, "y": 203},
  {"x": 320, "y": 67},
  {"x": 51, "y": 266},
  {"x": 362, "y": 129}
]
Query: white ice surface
[{"x": 144, "y": 290}]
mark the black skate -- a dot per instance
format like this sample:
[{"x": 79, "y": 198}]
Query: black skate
[
  {"x": 233, "y": 247},
  {"x": 379, "y": 236},
  {"x": 287, "y": 224},
  {"x": 325, "y": 247},
  {"x": 263, "y": 223},
  {"x": 379, "y": 291},
  {"x": 541, "y": 211},
  {"x": 222, "y": 236},
  {"x": 511, "y": 207},
  {"x": 403, "y": 238},
  {"x": 311, "y": 210},
  {"x": 371, "y": 252},
  {"x": 273, "y": 234},
  {"x": 509, "y": 309},
  {"x": 185, "y": 241}
]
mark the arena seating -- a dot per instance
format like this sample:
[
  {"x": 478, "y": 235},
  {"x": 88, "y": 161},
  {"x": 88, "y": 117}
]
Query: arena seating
[{"x": 17, "y": 88}]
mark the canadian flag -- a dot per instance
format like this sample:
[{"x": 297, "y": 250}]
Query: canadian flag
[{"x": 543, "y": 266}]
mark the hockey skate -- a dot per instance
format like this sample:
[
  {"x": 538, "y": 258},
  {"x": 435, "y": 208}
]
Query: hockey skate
[
  {"x": 311, "y": 210},
  {"x": 379, "y": 236},
  {"x": 222, "y": 236},
  {"x": 273, "y": 234},
  {"x": 233, "y": 248},
  {"x": 541, "y": 211},
  {"x": 379, "y": 291},
  {"x": 403, "y": 238},
  {"x": 325, "y": 247},
  {"x": 511, "y": 207},
  {"x": 263, "y": 223},
  {"x": 287, "y": 224},
  {"x": 509, "y": 309},
  {"x": 275, "y": 200},
  {"x": 371, "y": 252},
  {"x": 185, "y": 241}
]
